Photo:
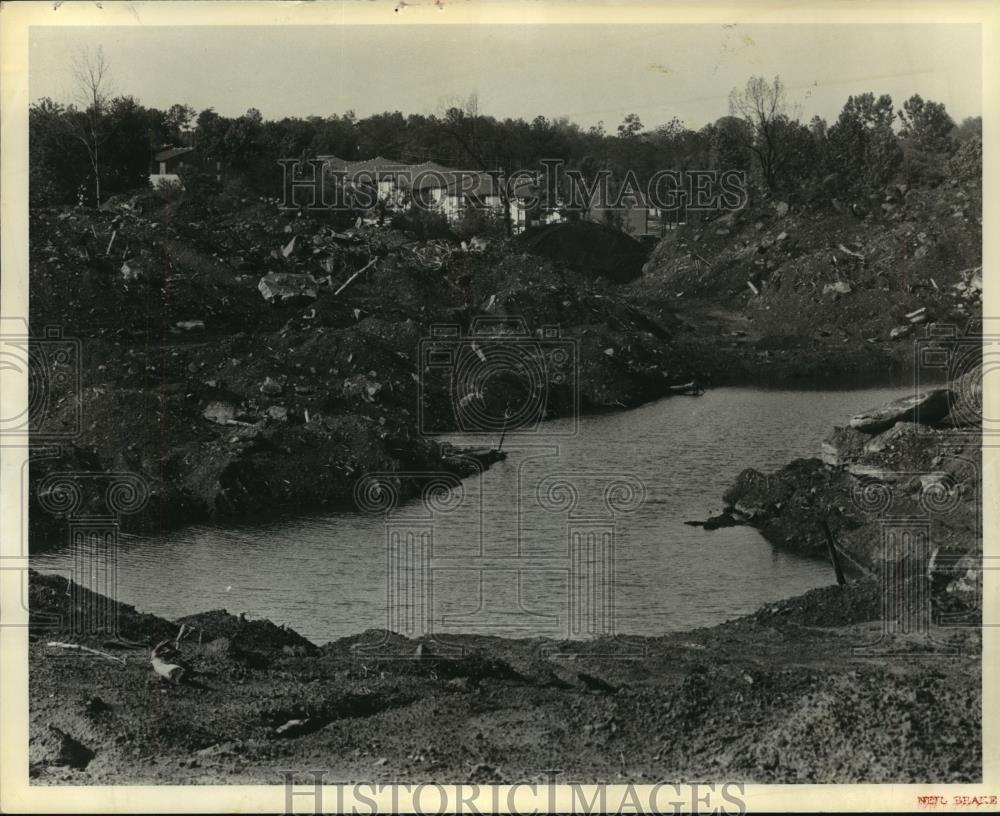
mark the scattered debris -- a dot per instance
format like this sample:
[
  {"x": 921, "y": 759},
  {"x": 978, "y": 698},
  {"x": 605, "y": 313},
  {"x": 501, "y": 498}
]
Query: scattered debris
[
  {"x": 190, "y": 325},
  {"x": 850, "y": 252},
  {"x": 130, "y": 272},
  {"x": 88, "y": 650},
  {"x": 347, "y": 283},
  {"x": 288, "y": 288},
  {"x": 271, "y": 387},
  {"x": 219, "y": 412},
  {"x": 840, "y": 287},
  {"x": 170, "y": 668},
  {"x": 927, "y": 407}
]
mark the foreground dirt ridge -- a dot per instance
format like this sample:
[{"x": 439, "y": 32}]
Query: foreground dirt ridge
[{"x": 808, "y": 690}]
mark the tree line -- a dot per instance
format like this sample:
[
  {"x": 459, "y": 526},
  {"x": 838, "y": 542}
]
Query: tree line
[{"x": 103, "y": 143}]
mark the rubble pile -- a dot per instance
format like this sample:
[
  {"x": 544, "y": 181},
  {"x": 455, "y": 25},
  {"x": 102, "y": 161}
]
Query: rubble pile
[
  {"x": 916, "y": 458},
  {"x": 244, "y": 358},
  {"x": 248, "y": 360},
  {"x": 834, "y": 281},
  {"x": 589, "y": 248}
]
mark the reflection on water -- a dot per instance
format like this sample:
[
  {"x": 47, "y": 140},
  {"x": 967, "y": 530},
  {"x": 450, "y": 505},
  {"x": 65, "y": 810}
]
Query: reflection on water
[{"x": 570, "y": 536}]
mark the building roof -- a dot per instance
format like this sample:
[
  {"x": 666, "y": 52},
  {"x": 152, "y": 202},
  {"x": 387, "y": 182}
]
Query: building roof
[
  {"x": 380, "y": 164},
  {"x": 431, "y": 165},
  {"x": 477, "y": 184},
  {"x": 486, "y": 185},
  {"x": 171, "y": 153},
  {"x": 333, "y": 162},
  {"x": 427, "y": 175}
]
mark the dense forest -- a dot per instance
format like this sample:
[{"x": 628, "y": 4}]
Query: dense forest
[{"x": 103, "y": 145}]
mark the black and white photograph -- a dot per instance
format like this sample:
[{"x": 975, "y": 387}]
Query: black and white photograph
[{"x": 402, "y": 396}]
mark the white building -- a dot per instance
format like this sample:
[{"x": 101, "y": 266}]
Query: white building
[{"x": 451, "y": 192}]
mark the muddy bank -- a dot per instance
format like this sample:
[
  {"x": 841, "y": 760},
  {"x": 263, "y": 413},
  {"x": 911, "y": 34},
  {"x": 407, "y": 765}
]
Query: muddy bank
[{"x": 777, "y": 696}]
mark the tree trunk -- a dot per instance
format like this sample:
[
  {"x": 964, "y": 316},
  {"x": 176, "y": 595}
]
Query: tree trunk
[{"x": 505, "y": 203}]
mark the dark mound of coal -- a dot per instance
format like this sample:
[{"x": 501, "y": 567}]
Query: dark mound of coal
[{"x": 592, "y": 249}]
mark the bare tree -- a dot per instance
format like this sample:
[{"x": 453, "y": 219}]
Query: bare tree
[
  {"x": 464, "y": 124},
  {"x": 93, "y": 91},
  {"x": 762, "y": 106}
]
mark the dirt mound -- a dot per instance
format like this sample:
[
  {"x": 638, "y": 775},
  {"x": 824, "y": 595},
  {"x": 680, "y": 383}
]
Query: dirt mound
[
  {"x": 592, "y": 249},
  {"x": 384, "y": 707},
  {"x": 57, "y": 607},
  {"x": 827, "y": 606},
  {"x": 927, "y": 473},
  {"x": 807, "y": 274},
  {"x": 258, "y": 635},
  {"x": 54, "y": 747},
  {"x": 269, "y": 407}
]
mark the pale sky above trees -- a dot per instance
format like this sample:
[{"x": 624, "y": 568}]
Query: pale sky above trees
[{"x": 587, "y": 73}]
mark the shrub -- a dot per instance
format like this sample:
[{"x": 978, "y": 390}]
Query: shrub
[
  {"x": 482, "y": 223},
  {"x": 923, "y": 168},
  {"x": 170, "y": 191},
  {"x": 199, "y": 185},
  {"x": 422, "y": 224},
  {"x": 967, "y": 163}
]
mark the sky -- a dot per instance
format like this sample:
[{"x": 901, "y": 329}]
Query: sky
[{"x": 588, "y": 73}]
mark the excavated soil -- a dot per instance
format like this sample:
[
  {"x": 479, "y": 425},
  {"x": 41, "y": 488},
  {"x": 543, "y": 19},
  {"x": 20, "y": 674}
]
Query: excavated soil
[{"x": 807, "y": 690}]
